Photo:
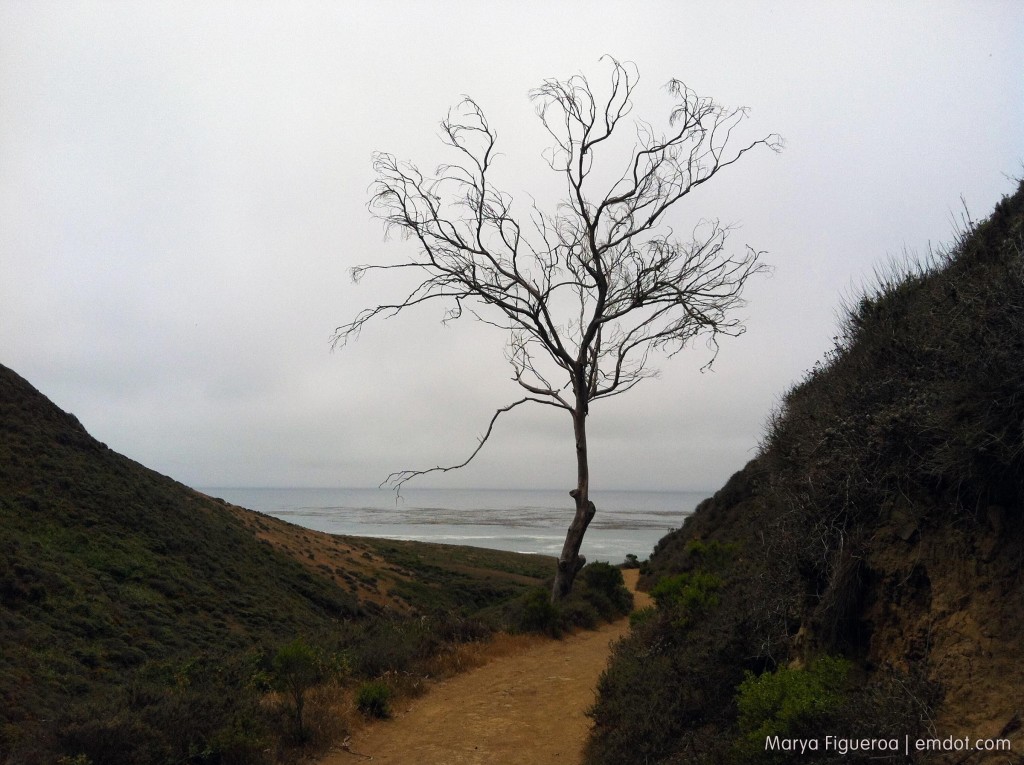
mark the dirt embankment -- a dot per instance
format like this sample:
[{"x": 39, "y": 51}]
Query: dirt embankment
[{"x": 526, "y": 707}]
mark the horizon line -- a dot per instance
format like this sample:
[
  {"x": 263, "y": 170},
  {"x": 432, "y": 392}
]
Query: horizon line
[{"x": 197, "y": 487}]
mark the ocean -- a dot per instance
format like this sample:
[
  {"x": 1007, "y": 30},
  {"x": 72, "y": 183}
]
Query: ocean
[{"x": 533, "y": 521}]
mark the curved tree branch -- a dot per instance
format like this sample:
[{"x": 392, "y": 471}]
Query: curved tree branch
[{"x": 397, "y": 479}]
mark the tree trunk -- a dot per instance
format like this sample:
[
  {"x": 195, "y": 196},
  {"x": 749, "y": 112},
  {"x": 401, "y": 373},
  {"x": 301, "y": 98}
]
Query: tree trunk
[{"x": 570, "y": 561}]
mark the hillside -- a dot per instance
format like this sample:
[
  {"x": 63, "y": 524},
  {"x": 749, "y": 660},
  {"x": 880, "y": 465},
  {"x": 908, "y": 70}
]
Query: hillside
[
  {"x": 863, "y": 576},
  {"x": 139, "y": 618}
]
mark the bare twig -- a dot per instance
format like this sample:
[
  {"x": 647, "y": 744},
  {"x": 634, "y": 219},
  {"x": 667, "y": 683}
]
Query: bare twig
[{"x": 397, "y": 479}]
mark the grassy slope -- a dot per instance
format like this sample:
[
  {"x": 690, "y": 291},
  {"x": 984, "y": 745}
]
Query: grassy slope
[
  {"x": 405, "y": 577},
  {"x": 883, "y": 522},
  {"x": 108, "y": 569}
]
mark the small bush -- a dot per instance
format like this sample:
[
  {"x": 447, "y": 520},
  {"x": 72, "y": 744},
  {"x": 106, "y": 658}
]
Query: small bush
[
  {"x": 642, "y": 616},
  {"x": 580, "y": 613},
  {"x": 602, "y": 577},
  {"x": 373, "y": 699},
  {"x": 636, "y": 706},
  {"x": 539, "y": 614},
  {"x": 605, "y": 589},
  {"x": 789, "y": 703},
  {"x": 118, "y": 739},
  {"x": 654, "y": 692},
  {"x": 713, "y": 555},
  {"x": 686, "y": 597},
  {"x": 296, "y": 669}
]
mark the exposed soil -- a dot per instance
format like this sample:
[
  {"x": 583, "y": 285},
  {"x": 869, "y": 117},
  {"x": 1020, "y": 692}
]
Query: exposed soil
[
  {"x": 526, "y": 707},
  {"x": 953, "y": 597}
]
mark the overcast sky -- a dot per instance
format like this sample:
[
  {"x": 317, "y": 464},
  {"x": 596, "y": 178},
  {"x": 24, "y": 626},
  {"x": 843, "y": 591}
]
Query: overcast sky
[{"x": 183, "y": 189}]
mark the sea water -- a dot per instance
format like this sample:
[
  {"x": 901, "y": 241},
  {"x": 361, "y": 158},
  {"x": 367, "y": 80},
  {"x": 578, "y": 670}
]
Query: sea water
[{"x": 530, "y": 521}]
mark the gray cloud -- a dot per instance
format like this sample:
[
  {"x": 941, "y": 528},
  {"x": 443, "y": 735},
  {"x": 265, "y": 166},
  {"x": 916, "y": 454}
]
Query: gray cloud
[{"x": 183, "y": 188}]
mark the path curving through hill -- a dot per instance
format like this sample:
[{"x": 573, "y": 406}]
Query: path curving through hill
[{"x": 528, "y": 707}]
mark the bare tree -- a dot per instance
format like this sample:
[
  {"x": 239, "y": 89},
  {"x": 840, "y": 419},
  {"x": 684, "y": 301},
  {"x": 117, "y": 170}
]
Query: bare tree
[{"x": 585, "y": 292}]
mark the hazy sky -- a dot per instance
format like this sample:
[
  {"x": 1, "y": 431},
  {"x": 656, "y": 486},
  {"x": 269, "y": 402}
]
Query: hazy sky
[{"x": 183, "y": 189}]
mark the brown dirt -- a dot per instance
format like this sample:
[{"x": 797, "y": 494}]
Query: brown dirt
[
  {"x": 527, "y": 707},
  {"x": 950, "y": 600}
]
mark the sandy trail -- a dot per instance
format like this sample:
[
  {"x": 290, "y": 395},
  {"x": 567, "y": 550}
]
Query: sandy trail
[{"x": 528, "y": 707}]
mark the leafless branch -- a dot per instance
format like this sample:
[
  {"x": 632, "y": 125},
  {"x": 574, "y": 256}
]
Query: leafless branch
[{"x": 397, "y": 479}]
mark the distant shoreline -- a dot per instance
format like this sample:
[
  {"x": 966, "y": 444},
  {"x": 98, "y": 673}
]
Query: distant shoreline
[{"x": 526, "y": 521}]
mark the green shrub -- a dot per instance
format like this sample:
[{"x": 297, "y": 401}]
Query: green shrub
[
  {"x": 658, "y": 688},
  {"x": 638, "y": 702},
  {"x": 713, "y": 555},
  {"x": 582, "y": 613},
  {"x": 605, "y": 589},
  {"x": 373, "y": 699},
  {"x": 686, "y": 597},
  {"x": 539, "y": 614},
  {"x": 392, "y": 644},
  {"x": 296, "y": 669},
  {"x": 642, "y": 616},
  {"x": 205, "y": 710},
  {"x": 789, "y": 703},
  {"x": 602, "y": 577},
  {"x": 100, "y": 735},
  {"x": 599, "y": 593}
]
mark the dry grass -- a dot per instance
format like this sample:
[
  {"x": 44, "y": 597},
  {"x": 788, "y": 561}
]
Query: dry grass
[
  {"x": 331, "y": 716},
  {"x": 468, "y": 656}
]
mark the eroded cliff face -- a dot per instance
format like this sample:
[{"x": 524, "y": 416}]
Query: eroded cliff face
[{"x": 949, "y": 601}]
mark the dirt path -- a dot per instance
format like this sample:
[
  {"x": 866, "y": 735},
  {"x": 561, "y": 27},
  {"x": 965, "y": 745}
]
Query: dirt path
[{"x": 528, "y": 707}]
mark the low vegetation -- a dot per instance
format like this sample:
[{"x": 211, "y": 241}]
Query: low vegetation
[
  {"x": 863, "y": 576},
  {"x": 789, "y": 703},
  {"x": 374, "y": 699},
  {"x": 142, "y": 623},
  {"x": 600, "y": 595}
]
